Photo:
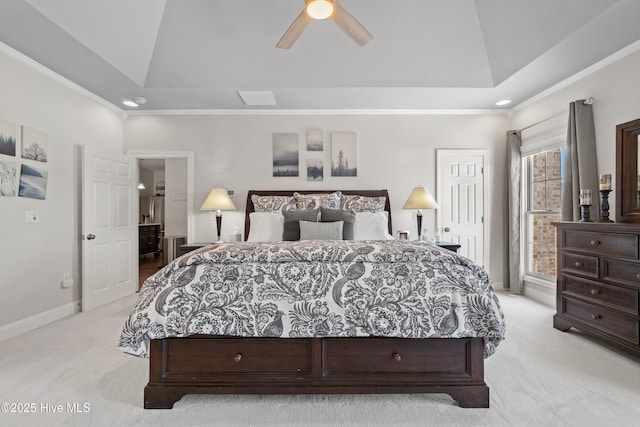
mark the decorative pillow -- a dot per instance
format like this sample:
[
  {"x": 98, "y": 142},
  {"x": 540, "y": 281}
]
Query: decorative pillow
[
  {"x": 273, "y": 203},
  {"x": 348, "y": 217},
  {"x": 363, "y": 203},
  {"x": 372, "y": 226},
  {"x": 291, "y": 228},
  {"x": 321, "y": 230},
  {"x": 314, "y": 201},
  {"x": 265, "y": 227}
]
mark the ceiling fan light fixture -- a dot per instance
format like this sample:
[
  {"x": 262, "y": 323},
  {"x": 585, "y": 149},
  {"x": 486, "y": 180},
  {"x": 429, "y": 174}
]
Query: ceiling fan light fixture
[{"x": 320, "y": 9}]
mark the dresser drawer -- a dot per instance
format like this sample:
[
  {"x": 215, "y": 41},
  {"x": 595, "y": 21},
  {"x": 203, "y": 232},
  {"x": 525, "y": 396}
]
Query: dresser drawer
[
  {"x": 250, "y": 356},
  {"x": 625, "y": 328},
  {"x": 362, "y": 356},
  {"x": 627, "y": 273},
  {"x": 612, "y": 244},
  {"x": 614, "y": 297},
  {"x": 582, "y": 264}
]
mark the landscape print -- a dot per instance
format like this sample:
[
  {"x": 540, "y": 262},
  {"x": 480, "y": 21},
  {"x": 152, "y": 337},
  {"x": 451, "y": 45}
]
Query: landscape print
[
  {"x": 33, "y": 182},
  {"x": 7, "y": 138},
  {"x": 314, "y": 140},
  {"x": 315, "y": 170},
  {"x": 34, "y": 144},
  {"x": 285, "y": 154},
  {"x": 8, "y": 179},
  {"x": 343, "y": 154}
]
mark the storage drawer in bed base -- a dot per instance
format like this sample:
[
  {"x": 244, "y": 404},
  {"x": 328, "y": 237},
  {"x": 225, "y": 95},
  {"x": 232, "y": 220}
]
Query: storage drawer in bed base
[{"x": 221, "y": 365}]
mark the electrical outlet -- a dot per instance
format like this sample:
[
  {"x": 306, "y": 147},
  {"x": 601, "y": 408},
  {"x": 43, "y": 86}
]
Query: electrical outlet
[
  {"x": 231, "y": 193},
  {"x": 67, "y": 281},
  {"x": 31, "y": 216}
]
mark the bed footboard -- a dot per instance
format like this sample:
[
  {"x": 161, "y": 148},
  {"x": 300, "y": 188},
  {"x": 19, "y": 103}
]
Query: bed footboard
[{"x": 228, "y": 365}]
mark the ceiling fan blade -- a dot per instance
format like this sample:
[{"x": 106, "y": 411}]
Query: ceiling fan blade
[
  {"x": 294, "y": 31},
  {"x": 350, "y": 25}
]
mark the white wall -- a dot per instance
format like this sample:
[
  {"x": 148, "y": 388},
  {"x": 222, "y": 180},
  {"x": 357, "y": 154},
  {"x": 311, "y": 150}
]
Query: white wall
[
  {"x": 175, "y": 204},
  {"x": 34, "y": 257},
  {"x": 395, "y": 152}
]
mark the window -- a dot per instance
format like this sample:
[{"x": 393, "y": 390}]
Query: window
[{"x": 544, "y": 174}]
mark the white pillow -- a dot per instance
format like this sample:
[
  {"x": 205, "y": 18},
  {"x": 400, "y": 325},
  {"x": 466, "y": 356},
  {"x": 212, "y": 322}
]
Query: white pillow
[
  {"x": 265, "y": 227},
  {"x": 372, "y": 226},
  {"x": 321, "y": 230}
]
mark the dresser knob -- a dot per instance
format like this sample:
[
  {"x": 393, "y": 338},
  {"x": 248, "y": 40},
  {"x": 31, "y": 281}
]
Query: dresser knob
[
  {"x": 397, "y": 357},
  {"x": 237, "y": 358},
  {"x": 577, "y": 264},
  {"x": 595, "y": 291},
  {"x": 638, "y": 276},
  {"x": 596, "y": 316},
  {"x": 595, "y": 242}
]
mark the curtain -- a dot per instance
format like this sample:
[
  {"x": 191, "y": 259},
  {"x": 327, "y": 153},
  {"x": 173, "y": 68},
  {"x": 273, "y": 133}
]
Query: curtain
[
  {"x": 513, "y": 277},
  {"x": 580, "y": 163}
]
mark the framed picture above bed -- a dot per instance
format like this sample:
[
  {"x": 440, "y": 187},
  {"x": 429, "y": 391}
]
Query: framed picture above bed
[
  {"x": 344, "y": 154},
  {"x": 285, "y": 154}
]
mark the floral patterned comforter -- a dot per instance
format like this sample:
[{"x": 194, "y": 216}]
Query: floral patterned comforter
[{"x": 316, "y": 289}]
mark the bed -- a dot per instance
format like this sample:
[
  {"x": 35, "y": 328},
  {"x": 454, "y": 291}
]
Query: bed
[{"x": 316, "y": 314}]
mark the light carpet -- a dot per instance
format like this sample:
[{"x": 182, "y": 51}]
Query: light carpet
[{"x": 538, "y": 377}]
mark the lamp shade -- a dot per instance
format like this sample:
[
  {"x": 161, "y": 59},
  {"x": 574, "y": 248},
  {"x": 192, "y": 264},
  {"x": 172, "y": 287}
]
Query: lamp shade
[
  {"x": 218, "y": 200},
  {"x": 420, "y": 198}
]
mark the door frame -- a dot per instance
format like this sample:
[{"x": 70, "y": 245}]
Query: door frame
[
  {"x": 189, "y": 156},
  {"x": 440, "y": 154}
]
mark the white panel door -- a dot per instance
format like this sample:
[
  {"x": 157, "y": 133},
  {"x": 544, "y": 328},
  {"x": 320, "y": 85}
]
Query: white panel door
[
  {"x": 109, "y": 227},
  {"x": 463, "y": 200}
]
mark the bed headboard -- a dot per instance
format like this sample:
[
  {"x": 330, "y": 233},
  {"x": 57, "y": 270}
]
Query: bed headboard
[{"x": 367, "y": 193}]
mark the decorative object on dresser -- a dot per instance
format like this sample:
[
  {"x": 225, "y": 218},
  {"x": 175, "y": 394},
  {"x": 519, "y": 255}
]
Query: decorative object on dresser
[
  {"x": 599, "y": 281},
  {"x": 585, "y": 204},
  {"x": 605, "y": 189},
  {"x": 420, "y": 198},
  {"x": 218, "y": 200}
]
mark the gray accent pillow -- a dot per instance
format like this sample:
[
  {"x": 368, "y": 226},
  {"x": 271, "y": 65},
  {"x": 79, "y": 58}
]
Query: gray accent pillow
[
  {"x": 291, "y": 226},
  {"x": 321, "y": 230},
  {"x": 347, "y": 216}
]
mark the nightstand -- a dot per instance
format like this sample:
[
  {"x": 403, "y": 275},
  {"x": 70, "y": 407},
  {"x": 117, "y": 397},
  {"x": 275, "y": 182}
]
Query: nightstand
[
  {"x": 184, "y": 249},
  {"x": 448, "y": 245}
]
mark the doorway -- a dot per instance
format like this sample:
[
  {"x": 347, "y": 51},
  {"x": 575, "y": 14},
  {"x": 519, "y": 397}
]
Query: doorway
[
  {"x": 463, "y": 195},
  {"x": 166, "y": 203}
]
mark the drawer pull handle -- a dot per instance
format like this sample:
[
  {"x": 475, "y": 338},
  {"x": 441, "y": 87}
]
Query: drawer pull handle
[
  {"x": 237, "y": 358},
  {"x": 577, "y": 264},
  {"x": 595, "y": 291},
  {"x": 595, "y": 242},
  {"x": 596, "y": 316},
  {"x": 638, "y": 276},
  {"x": 397, "y": 357}
]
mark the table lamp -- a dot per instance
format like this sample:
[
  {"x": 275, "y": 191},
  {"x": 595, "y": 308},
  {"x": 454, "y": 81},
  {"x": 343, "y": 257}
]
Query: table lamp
[
  {"x": 218, "y": 200},
  {"x": 420, "y": 198}
]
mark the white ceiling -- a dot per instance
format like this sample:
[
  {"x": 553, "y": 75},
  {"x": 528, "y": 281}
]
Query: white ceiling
[{"x": 426, "y": 54}]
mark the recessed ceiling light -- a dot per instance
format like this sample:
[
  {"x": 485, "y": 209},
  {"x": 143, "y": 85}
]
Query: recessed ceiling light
[
  {"x": 135, "y": 102},
  {"x": 503, "y": 102}
]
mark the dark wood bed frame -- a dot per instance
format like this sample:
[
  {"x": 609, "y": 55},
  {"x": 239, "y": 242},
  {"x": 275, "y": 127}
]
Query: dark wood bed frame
[{"x": 205, "y": 364}]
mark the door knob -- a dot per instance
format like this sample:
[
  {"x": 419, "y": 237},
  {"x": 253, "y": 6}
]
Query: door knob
[
  {"x": 447, "y": 229},
  {"x": 91, "y": 236}
]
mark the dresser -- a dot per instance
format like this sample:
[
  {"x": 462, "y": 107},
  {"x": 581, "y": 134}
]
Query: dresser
[
  {"x": 148, "y": 238},
  {"x": 599, "y": 281}
]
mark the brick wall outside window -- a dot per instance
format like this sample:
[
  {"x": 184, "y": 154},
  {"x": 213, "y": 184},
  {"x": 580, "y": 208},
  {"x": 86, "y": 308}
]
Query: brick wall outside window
[{"x": 545, "y": 179}]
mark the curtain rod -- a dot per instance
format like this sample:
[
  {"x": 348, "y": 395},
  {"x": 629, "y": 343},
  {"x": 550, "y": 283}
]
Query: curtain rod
[{"x": 587, "y": 101}]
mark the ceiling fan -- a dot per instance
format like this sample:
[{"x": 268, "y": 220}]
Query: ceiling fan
[{"x": 323, "y": 9}]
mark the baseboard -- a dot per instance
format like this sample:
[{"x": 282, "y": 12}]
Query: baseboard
[
  {"x": 29, "y": 323},
  {"x": 540, "y": 292}
]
